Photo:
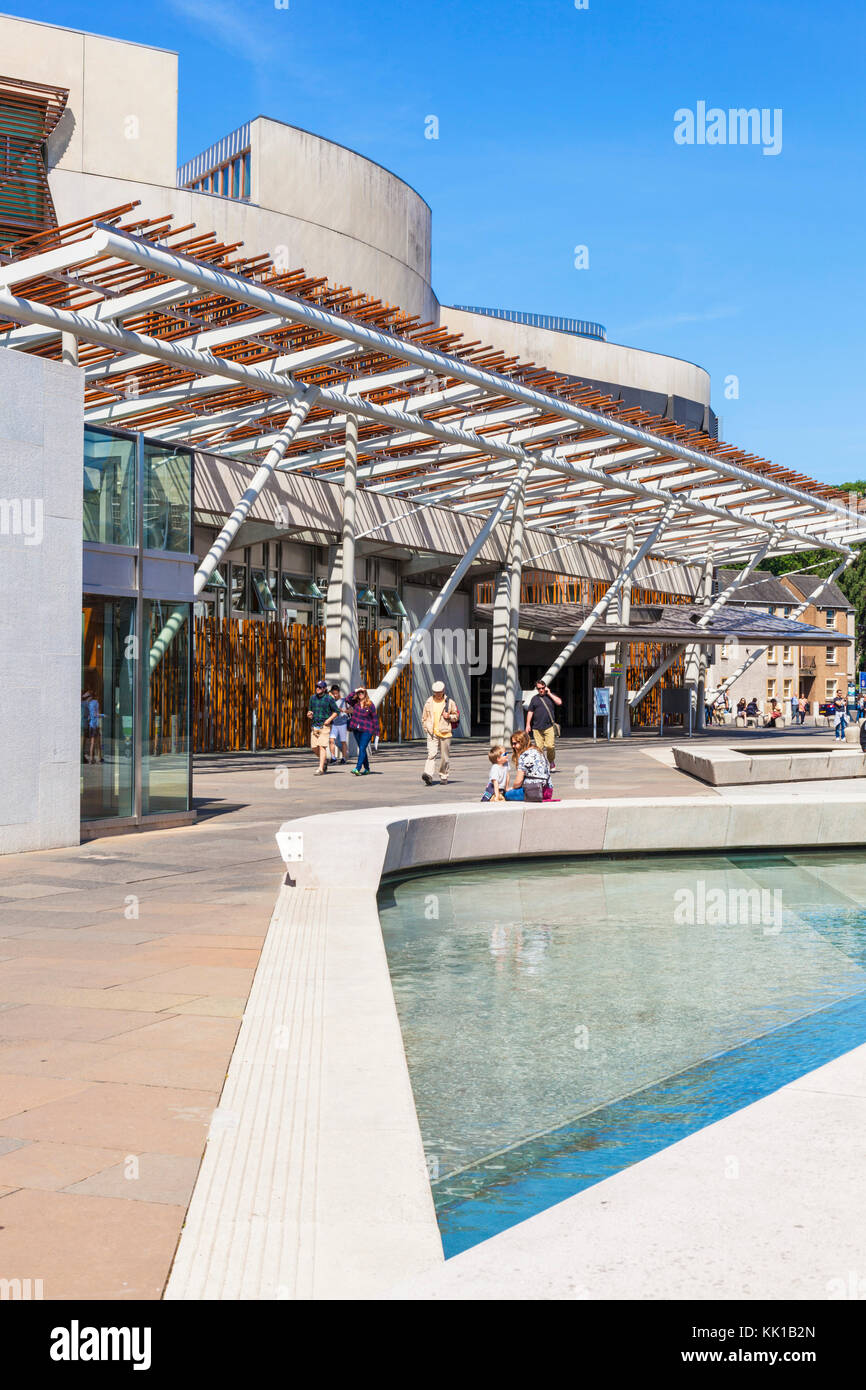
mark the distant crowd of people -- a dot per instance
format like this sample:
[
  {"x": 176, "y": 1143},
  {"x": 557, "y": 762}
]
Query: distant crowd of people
[{"x": 838, "y": 708}]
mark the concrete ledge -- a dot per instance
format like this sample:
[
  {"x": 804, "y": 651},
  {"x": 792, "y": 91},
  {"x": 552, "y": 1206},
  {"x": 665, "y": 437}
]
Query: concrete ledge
[{"x": 734, "y": 766}]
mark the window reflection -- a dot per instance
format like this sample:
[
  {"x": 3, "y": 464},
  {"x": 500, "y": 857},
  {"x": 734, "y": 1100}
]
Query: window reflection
[
  {"x": 165, "y": 748},
  {"x": 108, "y": 673},
  {"x": 167, "y": 496},
  {"x": 109, "y": 489}
]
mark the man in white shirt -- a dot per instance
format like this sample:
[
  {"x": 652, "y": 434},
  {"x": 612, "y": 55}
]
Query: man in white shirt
[{"x": 438, "y": 719}]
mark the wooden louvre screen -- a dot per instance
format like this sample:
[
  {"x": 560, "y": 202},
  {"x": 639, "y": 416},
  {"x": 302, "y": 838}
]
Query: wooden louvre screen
[
  {"x": 29, "y": 112},
  {"x": 252, "y": 684}
]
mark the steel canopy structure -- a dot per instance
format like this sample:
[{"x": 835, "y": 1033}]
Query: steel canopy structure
[{"x": 182, "y": 336}]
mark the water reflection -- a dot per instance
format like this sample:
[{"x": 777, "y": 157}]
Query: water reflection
[{"x": 562, "y": 1019}]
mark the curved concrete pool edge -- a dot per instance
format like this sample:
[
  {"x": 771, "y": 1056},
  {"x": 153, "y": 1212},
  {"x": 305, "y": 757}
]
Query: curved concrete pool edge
[{"x": 314, "y": 1182}]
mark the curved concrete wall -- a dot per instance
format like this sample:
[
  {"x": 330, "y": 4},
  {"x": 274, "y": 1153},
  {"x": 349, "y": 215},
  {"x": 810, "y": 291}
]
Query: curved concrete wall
[
  {"x": 316, "y": 204},
  {"x": 585, "y": 358},
  {"x": 293, "y": 240}
]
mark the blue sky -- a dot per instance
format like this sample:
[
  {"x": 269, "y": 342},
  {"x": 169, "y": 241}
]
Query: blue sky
[{"x": 556, "y": 130}]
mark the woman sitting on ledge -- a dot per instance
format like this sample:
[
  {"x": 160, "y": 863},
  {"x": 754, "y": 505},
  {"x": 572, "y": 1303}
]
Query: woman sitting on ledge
[{"x": 532, "y": 771}]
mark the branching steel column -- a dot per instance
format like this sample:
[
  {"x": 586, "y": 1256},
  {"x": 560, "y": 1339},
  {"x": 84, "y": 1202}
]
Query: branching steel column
[
  {"x": 349, "y": 662},
  {"x": 695, "y": 667},
  {"x": 621, "y": 727},
  {"x": 801, "y": 608},
  {"x": 506, "y": 500},
  {"x": 506, "y": 621},
  {"x": 607, "y": 599},
  {"x": 515, "y": 582},
  {"x": 499, "y": 656}
]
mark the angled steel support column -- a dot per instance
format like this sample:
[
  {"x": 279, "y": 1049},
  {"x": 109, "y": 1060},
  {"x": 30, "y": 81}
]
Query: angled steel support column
[
  {"x": 607, "y": 599},
  {"x": 300, "y": 410},
  {"x": 800, "y": 609},
  {"x": 506, "y": 621},
  {"x": 505, "y": 502}
]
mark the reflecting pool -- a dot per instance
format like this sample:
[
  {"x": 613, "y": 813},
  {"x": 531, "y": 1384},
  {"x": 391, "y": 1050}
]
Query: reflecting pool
[{"x": 563, "y": 1019}]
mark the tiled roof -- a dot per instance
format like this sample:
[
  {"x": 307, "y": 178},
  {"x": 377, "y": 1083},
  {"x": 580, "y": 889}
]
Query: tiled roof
[
  {"x": 758, "y": 588},
  {"x": 832, "y": 597}
]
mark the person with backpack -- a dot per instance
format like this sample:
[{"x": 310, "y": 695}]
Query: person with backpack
[
  {"x": 439, "y": 719},
  {"x": 541, "y": 721}
]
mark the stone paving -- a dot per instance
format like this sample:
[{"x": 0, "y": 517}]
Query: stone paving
[{"x": 125, "y": 964}]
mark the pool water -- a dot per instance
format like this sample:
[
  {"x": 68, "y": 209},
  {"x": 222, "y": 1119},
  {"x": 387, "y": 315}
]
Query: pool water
[{"x": 563, "y": 1019}]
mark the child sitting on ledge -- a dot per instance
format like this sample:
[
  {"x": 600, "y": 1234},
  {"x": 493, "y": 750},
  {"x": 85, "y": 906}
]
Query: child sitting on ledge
[{"x": 495, "y": 789}]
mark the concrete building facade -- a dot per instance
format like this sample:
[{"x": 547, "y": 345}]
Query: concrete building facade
[{"x": 308, "y": 202}]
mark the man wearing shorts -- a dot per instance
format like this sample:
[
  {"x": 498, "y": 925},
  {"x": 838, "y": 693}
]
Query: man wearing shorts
[
  {"x": 321, "y": 714},
  {"x": 541, "y": 721}
]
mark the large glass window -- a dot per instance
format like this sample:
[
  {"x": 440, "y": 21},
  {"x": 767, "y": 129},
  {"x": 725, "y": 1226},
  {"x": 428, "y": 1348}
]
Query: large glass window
[
  {"x": 167, "y": 498},
  {"x": 239, "y": 588},
  {"x": 109, "y": 488},
  {"x": 262, "y": 599},
  {"x": 295, "y": 587},
  {"x": 393, "y": 604},
  {"x": 165, "y": 714},
  {"x": 108, "y": 674}
]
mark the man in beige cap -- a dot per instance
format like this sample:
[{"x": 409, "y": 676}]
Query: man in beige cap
[{"x": 438, "y": 719}]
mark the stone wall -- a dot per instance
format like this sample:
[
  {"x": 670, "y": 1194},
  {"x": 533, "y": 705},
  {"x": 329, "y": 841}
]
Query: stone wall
[{"x": 41, "y": 425}]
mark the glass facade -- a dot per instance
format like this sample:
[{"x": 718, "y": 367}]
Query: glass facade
[
  {"x": 110, "y": 488},
  {"x": 167, "y": 498},
  {"x": 136, "y": 641},
  {"x": 108, "y": 673},
  {"x": 165, "y": 759}
]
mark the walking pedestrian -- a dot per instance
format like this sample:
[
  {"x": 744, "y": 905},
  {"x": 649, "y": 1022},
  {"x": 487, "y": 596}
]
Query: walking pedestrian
[
  {"x": 541, "y": 721},
  {"x": 364, "y": 724},
  {"x": 339, "y": 728},
  {"x": 439, "y": 718},
  {"x": 321, "y": 714},
  {"x": 801, "y": 709}
]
